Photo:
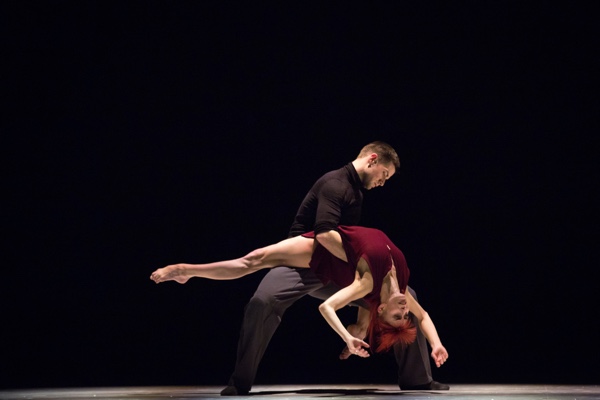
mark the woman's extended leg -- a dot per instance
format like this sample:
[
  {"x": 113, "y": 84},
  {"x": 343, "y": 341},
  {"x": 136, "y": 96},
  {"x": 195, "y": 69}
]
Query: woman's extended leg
[{"x": 292, "y": 252}]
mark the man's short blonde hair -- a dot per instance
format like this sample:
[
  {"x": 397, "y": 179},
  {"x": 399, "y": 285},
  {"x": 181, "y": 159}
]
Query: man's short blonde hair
[{"x": 386, "y": 153}]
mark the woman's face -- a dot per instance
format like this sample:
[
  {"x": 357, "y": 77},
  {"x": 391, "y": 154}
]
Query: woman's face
[{"x": 395, "y": 311}]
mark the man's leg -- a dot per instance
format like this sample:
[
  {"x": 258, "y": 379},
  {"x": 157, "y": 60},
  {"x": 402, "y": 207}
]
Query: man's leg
[
  {"x": 278, "y": 290},
  {"x": 414, "y": 367}
]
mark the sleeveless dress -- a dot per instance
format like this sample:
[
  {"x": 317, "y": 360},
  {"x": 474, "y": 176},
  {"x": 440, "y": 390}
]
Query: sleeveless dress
[{"x": 359, "y": 242}]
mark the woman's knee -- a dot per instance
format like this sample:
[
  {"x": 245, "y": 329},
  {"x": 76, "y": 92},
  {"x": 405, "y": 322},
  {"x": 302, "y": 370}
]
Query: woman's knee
[{"x": 255, "y": 258}]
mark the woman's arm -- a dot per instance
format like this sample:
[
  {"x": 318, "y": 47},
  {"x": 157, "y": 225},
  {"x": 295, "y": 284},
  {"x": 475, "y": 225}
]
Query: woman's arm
[
  {"x": 438, "y": 351},
  {"x": 358, "y": 329},
  {"x": 356, "y": 290}
]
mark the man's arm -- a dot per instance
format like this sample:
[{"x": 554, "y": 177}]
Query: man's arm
[
  {"x": 332, "y": 241},
  {"x": 332, "y": 202}
]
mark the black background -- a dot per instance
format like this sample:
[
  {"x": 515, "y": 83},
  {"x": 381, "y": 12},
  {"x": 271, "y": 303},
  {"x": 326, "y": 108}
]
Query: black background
[{"x": 138, "y": 134}]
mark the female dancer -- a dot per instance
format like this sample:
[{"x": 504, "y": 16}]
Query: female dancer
[{"x": 374, "y": 269}]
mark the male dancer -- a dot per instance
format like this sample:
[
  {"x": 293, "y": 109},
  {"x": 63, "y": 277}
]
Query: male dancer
[{"x": 335, "y": 199}]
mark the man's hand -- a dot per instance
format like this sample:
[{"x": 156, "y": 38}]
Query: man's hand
[
  {"x": 359, "y": 333},
  {"x": 439, "y": 355}
]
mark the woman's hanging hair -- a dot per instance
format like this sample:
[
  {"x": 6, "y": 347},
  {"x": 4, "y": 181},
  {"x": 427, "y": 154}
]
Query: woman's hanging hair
[{"x": 382, "y": 336}]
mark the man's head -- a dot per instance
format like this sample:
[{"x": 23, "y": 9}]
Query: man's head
[{"x": 376, "y": 163}]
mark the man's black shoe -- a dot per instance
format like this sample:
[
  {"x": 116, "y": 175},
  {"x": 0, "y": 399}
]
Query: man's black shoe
[
  {"x": 233, "y": 391},
  {"x": 433, "y": 385}
]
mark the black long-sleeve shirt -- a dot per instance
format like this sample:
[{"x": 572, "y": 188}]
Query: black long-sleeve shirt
[{"x": 335, "y": 199}]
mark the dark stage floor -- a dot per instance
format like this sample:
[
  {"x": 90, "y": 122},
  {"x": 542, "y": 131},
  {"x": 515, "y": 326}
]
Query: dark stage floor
[{"x": 457, "y": 391}]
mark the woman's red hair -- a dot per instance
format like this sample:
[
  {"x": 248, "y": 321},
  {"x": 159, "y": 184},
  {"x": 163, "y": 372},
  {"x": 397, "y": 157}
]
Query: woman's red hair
[{"x": 383, "y": 336}]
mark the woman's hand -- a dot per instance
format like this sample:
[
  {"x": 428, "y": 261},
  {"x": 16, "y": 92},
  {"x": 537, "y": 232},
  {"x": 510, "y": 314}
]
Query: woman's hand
[
  {"x": 356, "y": 331},
  {"x": 439, "y": 355},
  {"x": 361, "y": 286},
  {"x": 357, "y": 347}
]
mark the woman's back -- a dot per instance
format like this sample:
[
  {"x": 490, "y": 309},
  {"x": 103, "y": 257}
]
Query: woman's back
[{"x": 360, "y": 242}]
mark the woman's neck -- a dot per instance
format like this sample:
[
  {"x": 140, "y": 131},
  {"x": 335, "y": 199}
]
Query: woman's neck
[{"x": 390, "y": 287}]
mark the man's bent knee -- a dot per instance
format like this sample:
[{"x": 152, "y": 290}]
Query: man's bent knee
[{"x": 260, "y": 303}]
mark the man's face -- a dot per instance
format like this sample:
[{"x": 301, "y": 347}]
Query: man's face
[{"x": 377, "y": 174}]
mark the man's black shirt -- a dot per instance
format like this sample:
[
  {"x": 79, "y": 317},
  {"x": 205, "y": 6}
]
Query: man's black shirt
[{"x": 335, "y": 199}]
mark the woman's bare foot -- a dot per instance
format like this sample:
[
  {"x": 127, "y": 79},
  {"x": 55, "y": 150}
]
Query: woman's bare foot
[
  {"x": 345, "y": 354},
  {"x": 170, "y": 273}
]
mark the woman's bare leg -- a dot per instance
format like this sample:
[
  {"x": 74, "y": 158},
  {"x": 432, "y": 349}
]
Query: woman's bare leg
[{"x": 293, "y": 252}]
